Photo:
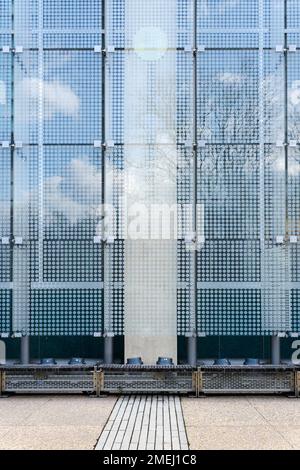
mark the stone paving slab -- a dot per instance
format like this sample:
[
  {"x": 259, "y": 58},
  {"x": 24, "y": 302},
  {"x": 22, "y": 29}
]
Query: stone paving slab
[
  {"x": 242, "y": 423},
  {"x": 52, "y": 422},
  {"x": 149, "y": 422}
]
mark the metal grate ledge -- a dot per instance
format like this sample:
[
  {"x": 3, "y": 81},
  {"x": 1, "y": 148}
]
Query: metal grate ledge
[{"x": 118, "y": 379}]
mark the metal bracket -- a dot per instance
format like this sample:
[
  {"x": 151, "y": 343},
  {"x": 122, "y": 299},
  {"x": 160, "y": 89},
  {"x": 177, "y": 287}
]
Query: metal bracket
[
  {"x": 2, "y": 383},
  {"x": 281, "y": 334},
  {"x": 18, "y": 240},
  {"x": 292, "y": 48},
  {"x": 97, "y": 239},
  {"x": 198, "y": 382},
  {"x": 14, "y": 50},
  {"x": 201, "y": 334},
  {"x": 108, "y": 50},
  {"x": 109, "y": 144},
  {"x": 98, "y": 382},
  {"x": 17, "y": 50},
  {"x": 17, "y": 335},
  {"x": 279, "y": 143},
  {"x": 297, "y": 384},
  {"x": 195, "y": 382},
  {"x": 190, "y": 237},
  {"x": 5, "y": 144},
  {"x": 109, "y": 240}
]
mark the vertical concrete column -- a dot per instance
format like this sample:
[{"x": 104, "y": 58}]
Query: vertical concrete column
[
  {"x": 25, "y": 350},
  {"x": 150, "y": 161},
  {"x": 275, "y": 350}
]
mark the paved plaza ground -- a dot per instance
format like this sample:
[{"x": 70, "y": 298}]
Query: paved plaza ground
[{"x": 80, "y": 422}]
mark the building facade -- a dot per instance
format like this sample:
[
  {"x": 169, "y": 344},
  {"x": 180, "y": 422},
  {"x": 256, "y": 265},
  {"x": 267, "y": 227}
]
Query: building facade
[{"x": 149, "y": 174}]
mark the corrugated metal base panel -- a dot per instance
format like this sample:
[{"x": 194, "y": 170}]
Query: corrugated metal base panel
[
  {"x": 125, "y": 379},
  {"x": 148, "y": 382},
  {"x": 44, "y": 382},
  {"x": 248, "y": 382}
]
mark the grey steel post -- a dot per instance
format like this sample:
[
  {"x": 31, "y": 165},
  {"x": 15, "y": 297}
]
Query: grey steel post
[
  {"x": 25, "y": 350},
  {"x": 108, "y": 349},
  {"x": 192, "y": 334},
  {"x": 192, "y": 350},
  {"x": 275, "y": 350}
]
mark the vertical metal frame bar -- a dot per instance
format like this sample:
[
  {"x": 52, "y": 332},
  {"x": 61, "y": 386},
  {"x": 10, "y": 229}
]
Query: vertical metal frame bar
[
  {"x": 12, "y": 169},
  {"x": 107, "y": 249},
  {"x": 261, "y": 148},
  {"x": 40, "y": 142},
  {"x": 19, "y": 217},
  {"x": 192, "y": 333},
  {"x": 195, "y": 159},
  {"x": 288, "y": 313},
  {"x": 103, "y": 128}
]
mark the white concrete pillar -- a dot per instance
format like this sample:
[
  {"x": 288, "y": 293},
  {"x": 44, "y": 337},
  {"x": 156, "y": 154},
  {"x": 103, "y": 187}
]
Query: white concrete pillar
[{"x": 150, "y": 283}]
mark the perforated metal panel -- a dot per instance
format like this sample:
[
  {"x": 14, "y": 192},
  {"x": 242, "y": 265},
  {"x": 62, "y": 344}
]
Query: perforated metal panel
[
  {"x": 48, "y": 382},
  {"x": 261, "y": 381},
  {"x": 58, "y": 179},
  {"x": 5, "y": 166},
  {"x": 148, "y": 382},
  {"x": 245, "y": 267}
]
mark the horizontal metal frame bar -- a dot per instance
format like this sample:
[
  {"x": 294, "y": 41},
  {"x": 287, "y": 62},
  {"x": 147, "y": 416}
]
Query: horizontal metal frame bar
[
  {"x": 56, "y": 285},
  {"x": 6, "y": 285},
  {"x": 66, "y": 285},
  {"x": 247, "y": 285}
]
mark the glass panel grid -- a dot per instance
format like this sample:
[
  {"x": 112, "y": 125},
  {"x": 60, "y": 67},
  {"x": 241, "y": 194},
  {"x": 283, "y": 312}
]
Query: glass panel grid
[
  {"x": 228, "y": 99},
  {"x": 66, "y": 312},
  {"x": 151, "y": 26},
  {"x": 5, "y": 96},
  {"x": 5, "y": 310},
  {"x": 229, "y": 312}
]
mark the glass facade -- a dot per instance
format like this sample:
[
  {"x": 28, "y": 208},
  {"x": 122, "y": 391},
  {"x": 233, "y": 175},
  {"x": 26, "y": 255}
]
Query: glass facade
[{"x": 120, "y": 105}]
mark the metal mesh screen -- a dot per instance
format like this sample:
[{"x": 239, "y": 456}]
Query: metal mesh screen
[{"x": 193, "y": 103}]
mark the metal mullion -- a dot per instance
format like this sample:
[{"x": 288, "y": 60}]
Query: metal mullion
[
  {"x": 261, "y": 148},
  {"x": 286, "y": 150},
  {"x": 193, "y": 313},
  {"x": 12, "y": 166},
  {"x": 106, "y": 267},
  {"x": 286, "y": 124},
  {"x": 40, "y": 142}
]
